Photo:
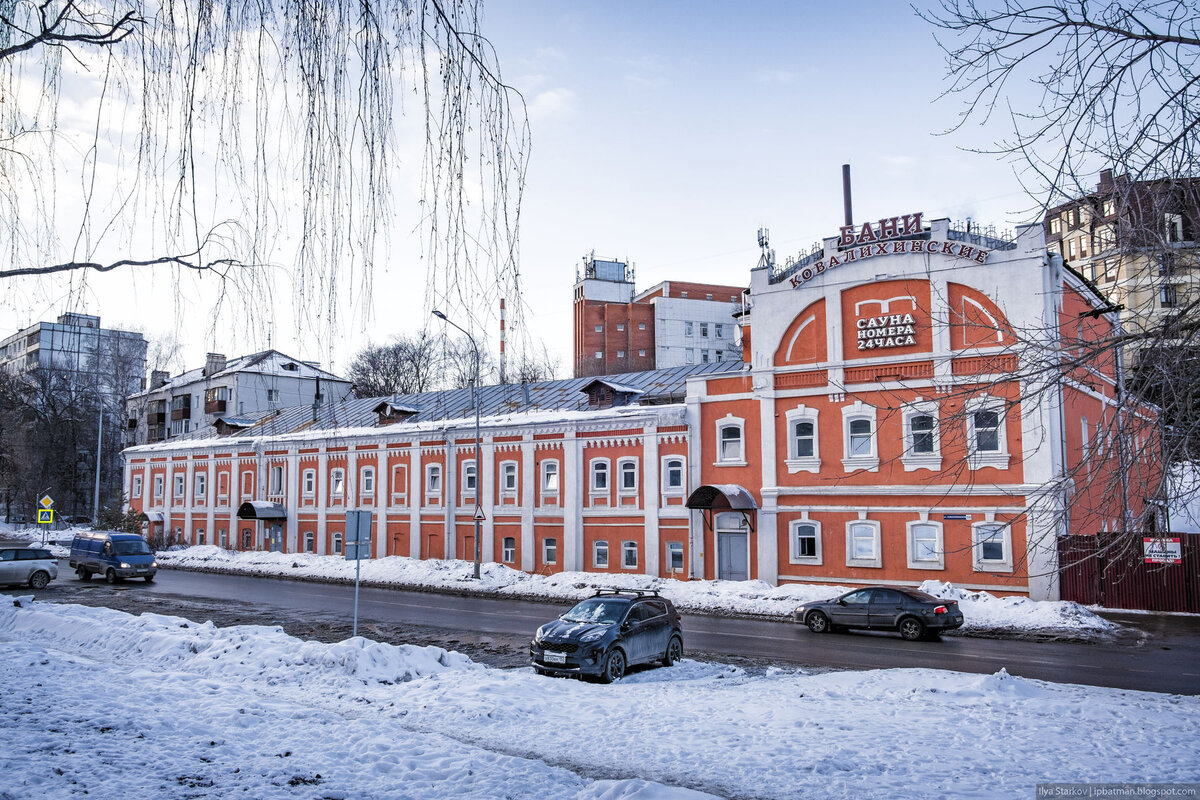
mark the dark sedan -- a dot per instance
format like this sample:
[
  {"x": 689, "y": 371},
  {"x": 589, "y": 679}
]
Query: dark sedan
[
  {"x": 601, "y": 636},
  {"x": 911, "y": 612}
]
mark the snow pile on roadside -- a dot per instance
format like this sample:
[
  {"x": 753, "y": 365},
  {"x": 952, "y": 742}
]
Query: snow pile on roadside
[
  {"x": 982, "y": 611},
  {"x": 192, "y": 711}
]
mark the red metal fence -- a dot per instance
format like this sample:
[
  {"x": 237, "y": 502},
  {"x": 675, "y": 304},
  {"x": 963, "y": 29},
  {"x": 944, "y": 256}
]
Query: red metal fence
[{"x": 1094, "y": 570}]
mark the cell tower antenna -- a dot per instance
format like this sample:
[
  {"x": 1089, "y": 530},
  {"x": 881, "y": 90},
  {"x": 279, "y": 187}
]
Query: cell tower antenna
[{"x": 767, "y": 259}]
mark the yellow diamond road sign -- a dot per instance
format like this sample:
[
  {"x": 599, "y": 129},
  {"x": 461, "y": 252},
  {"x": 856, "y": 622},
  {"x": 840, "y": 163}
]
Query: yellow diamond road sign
[{"x": 47, "y": 501}]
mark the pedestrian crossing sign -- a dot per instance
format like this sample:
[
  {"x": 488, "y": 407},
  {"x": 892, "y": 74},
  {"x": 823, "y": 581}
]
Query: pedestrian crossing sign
[{"x": 45, "y": 515}]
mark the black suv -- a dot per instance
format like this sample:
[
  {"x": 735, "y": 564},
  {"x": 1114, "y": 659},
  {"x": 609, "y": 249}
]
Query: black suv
[{"x": 608, "y": 632}]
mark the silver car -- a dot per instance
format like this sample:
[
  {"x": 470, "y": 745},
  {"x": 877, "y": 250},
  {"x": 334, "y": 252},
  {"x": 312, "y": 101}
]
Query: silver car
[{"x": 28, "y": 566}]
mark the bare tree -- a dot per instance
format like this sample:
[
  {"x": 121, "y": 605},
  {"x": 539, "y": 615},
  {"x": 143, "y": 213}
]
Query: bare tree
[
  {"x": 530, "y": 366},
  {"x": 219, "y": 130},
  {"x": 1112, "y": 91}
]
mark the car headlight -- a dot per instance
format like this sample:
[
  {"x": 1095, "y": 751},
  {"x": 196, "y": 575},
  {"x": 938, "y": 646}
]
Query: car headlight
[
  {"x": 537, "y": 637},
  {"x": 592, "y": 636},
  {"x": 154, "y": 564},
  {"x": 124, "y": 565}
]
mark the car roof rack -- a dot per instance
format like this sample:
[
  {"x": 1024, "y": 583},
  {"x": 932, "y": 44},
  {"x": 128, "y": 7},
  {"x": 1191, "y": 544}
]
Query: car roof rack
[{"x": 638, "y": 592}]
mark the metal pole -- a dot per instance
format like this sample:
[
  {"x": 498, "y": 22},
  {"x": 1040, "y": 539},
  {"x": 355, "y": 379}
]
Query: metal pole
[
  {"x": 478, "y": 470},
  {"x": 357, "y": 568},
  {"x": 96, "y": 495}
]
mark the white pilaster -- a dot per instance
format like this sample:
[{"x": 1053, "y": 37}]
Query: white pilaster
[{"x": 651, "y": 497}]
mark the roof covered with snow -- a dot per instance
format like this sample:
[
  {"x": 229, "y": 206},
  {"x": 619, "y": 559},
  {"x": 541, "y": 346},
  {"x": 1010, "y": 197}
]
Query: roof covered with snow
[
  {"x": 267, "y": 362},
  {"x": 532, "y": 401}
]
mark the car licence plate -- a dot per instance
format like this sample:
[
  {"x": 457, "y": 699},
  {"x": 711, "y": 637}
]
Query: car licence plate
[{"x": 554, "y": 658}]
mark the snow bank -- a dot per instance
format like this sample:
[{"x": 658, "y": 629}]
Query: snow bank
[{"x": 193, "y": 711}]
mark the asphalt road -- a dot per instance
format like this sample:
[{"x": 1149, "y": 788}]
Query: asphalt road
[{"x": 1166, "y": 658}]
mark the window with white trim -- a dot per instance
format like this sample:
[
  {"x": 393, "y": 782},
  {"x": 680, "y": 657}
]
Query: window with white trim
[
  {"x": 337, "y": 543},
  {"x": 247, "y": 484},
  {"x": 859, "y": 440},
  {"x": 247, "y": 539},
  {"x": 508, "y": 549},
  {"x": 993, "y": 546},
  {"x": 922, "y": 437},
  {"x": 137, "y": 486},
  {"x": 673, "y": 475},
  {"x": 629, "y": 555},
  {"x": 276, "y": 479},
  {"x": 674, "y": 557},
  {"x": 433, "y": 483},
  {"x": 600, "y": 554},
  {"x": 310, "y": 482},
  {"x": 337, "y": 484},
  {"x": 804, "y": 449},
  {"x": 731, "y": 441},
  {"x": 599, "y": 476},
  {"x": 508, "y": 478},
  {"x": 179, "y": 486},
  {"x": 627, "y": 472},
  {"x": 550, "y": 478},
  {"x": 862, "y": 544},
  {"x": 200, "y": 486},
  {"x": 158, "y": 487},
  {"x": 987, "y": 442},
  {"x": 310, "y": 542},
  {"x": 805, "y": 541},
  {"x": 366, "y": 480},
  {"x": 200, "y": 537},
  {"x": 469, "y": 478},
  {"x": 549, "y": 551},
  {"x": 925, "y": 549}
]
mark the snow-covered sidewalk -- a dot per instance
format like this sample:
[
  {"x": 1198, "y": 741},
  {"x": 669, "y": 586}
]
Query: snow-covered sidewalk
[
  {"x": 100, "y": 701},
  {"x": 984, "y": 613}
]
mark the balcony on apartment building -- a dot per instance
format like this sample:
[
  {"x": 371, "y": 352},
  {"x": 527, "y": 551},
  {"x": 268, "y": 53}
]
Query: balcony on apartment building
[
  {"x": 215, "y": 400},
  {"x": 181, "y": 407}
]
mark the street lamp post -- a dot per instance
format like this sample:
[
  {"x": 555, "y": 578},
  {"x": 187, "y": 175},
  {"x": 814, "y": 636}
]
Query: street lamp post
[{"x": 478, "y": 467}]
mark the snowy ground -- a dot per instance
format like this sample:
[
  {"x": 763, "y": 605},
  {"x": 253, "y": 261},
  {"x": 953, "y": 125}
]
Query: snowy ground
[
  {"x": 984, "y": 612},
  {"x": 102, "y": 702}
]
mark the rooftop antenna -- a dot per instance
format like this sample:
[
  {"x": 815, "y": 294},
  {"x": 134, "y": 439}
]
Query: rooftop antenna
[{"x": 767, "y": 259}]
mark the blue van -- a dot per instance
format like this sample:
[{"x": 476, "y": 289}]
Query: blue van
[{"x": 114, "y": 555}]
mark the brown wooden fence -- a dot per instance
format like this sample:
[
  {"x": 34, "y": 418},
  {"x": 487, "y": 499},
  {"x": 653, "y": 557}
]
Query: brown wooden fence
[{"x": 1095, "y": 572}]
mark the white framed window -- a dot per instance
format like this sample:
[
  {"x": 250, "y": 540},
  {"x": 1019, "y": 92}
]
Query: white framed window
[
  {"x": 158, "y": 487},
  {"x": 247, "y": 539},
  {"x": 674, "y": 557},
  {"x": 987, "y": 442},
  {"x": 366, "y": 480},
  {"x": 179, "y": 486},
  {"x": 222, "y": 538},
  {"x": 550, "y": 477},
  {"x": 805, "y": 541},
  {"x": 641, "y": 326},
  {"x": 992, "y": 544},
  {"x": 704, "y": 329},
  {"x": 687, "y": 329},
  {"x": 599, "y": 355},
  {"x": 674, "y": 470},
  {"x": 433, "y": 482},
  {"x": 549, "y": 551},
  {"x": 399, "y": 484},
  {"x": 922, "y": 437},
  {"x": 629, "y": 555},
  {"x": 310, "y": 482},
  {"x": 599, "y": 329},
  {"x": 620, "y": 354},
  {"x": 469, "y": 477},
  {"x": 600, "y": 554},
  {"x": 641, "y": 353},
  {"x": 310, "y": 542},
  {"x": 247, "y": 484},
  {"x": 627, "y": 474},
  {"x": 804, "y": 447},
  {"x": 691, "y": 355},
  {"x": 859, "y": 438},
  {"x": 137, "y": 486},
  {"x": 720, "y": 331},
  {"x": 862, "y": 544},
  {"x": 731, "y": 438},
  {"x": 508, "y": 549},
  {"x": 272, "y": 395},
  {"x": 200, "y": 486},
  {"x": 599, "y": 475},
  {"x": 925, "y": 547},
  {"x": 337, "y": 543},
  {"x": 620, "y": 326},
  {"x": 508, "y": 478},
  {"x": 200, "y": 537},
  {"x": 337, "y": 483},
  {"x": 276, "y": 479}
]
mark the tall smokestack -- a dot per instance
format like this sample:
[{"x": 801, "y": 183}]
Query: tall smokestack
[
  {"x": 846, "y": 193},
  {"x": 502, "y": 380}
]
